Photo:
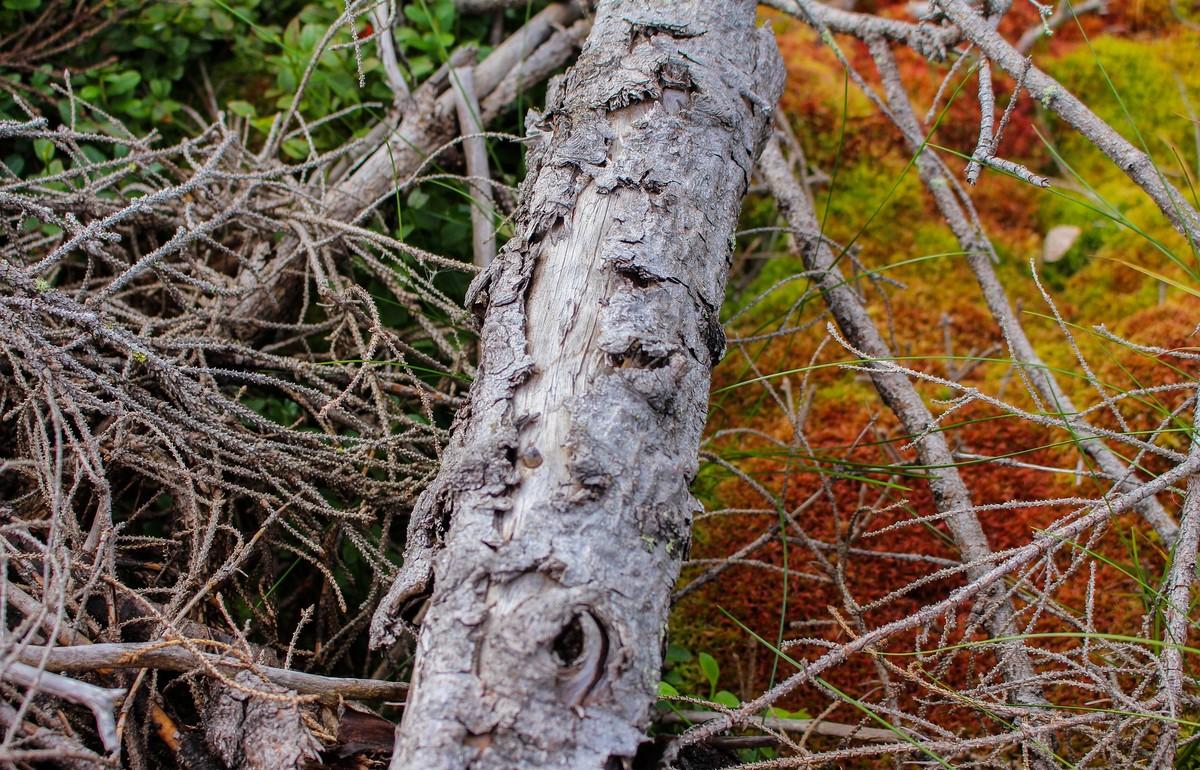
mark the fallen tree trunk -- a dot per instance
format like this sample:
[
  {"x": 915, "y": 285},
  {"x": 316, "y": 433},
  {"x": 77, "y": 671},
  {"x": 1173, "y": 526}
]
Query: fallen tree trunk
[{"x": 555, "y": 529}]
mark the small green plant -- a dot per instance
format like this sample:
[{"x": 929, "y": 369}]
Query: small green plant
[
  {"x": 688, "y": 674},
  {"x": 697, "y": 676}
]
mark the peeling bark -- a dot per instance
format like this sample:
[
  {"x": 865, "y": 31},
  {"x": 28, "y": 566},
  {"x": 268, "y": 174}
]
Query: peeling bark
[
  {"x": 252, "y": 733},
  {"x": 553, "y": 535}
]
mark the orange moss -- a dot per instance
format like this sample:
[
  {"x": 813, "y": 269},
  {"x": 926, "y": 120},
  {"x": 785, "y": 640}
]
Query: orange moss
[{"x": 857, "y": 444}]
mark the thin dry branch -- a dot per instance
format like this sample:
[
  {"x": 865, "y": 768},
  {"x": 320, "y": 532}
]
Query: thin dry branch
[
  {"x": 173, "y": 656},
  {"x": 470, "y": 123}
]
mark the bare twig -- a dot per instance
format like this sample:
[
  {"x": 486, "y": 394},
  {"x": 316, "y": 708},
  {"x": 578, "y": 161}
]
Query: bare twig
[{"x": 470, "y": 123}]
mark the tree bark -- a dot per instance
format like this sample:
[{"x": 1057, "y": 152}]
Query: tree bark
[{"x": 554, "y": 532}]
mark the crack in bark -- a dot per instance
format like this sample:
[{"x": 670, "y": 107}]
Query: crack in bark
[{"x": 567, "y": 476}]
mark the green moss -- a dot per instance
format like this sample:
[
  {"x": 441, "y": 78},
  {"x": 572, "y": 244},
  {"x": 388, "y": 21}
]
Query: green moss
[
  {"x": 1149, "y": 78},
  {"x": 863, "y": 193},
  {"x": 930, "y": 238}
]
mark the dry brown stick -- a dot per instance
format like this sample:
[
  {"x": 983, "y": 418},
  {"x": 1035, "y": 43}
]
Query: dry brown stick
[
  {"x": 425, "y": 129},
  {"x": 168, "y": 656},
  {"x": 535, "y": 68},
  {"x": 391, "y": 121},
  {"x": 267, "y": 290},
  {"x": 31, "y": 608},
  {"x": 383, "y": 16},
  {"x": 813, "y": 726},
  {"x": 1046, "y": 27},
  {"x": 950, "y": 493},
  {"x": 63, "y": 751},
  {"x": 1178, "y": 591},
  {"x": 1135, "y": 162},
  {"x": 1096, "y": 514},
  {"x": 980, "y": 252},
  {"x": 470, "y": 124}
]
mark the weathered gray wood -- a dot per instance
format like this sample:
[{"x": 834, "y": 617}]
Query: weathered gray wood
[
  {"x": 169, "y": 657},
  {"x": 799, "y": 726},
  {"x": 250, "y": 732},
  {"x": 554, "y": 532},
  {"x": 470, "y": 123},
  {"x": 1177, "y": 588},
  {"x": 101, "y": 701}
]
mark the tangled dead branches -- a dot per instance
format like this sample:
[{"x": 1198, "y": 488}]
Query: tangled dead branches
[
  {"x": 203, "y": 404},
  {"x": 158, "y": 469}
]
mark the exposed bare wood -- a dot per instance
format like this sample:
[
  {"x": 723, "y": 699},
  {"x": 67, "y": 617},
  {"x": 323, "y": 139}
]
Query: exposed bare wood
[
  {"x": 101, "y": 701},
  {"x": 550, "y": 546}
]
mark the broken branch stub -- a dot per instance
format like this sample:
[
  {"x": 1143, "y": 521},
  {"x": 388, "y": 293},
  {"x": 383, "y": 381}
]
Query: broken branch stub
[{"x": 554, "y": 532}]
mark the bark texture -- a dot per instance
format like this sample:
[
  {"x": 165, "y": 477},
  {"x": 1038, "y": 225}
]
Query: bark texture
[
  {"x": 248, "y": 732},
  {"x": 553, "y": 535}
]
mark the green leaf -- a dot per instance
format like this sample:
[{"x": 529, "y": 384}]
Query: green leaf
[
  {"x": 44, "y": 149},
  {"x": 22, "y": 5},
  {"x": 93, "y": 153},
  {"x": 417, "y": 199},
  {"x": 15, "y": 163},
  {"x": 123, "y": 82},
  {"x": 712, "y": 671},
  {"x": 727, "y": 699},
  {"x": 665, "y": 690},
  {"x": 296, "y": 149},
  {"x": 420, "y": 66},
  {"x": 162, "y": 110},
  {"x": 416, "y": 15},
  {"x": 245, "y": 109},
  {"x": 310, "y": 35},
  {"x": 677, "y": 654},
  {"x": 443, "y": 10}
]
